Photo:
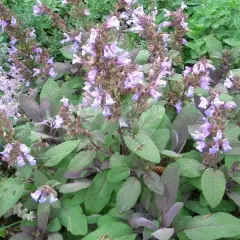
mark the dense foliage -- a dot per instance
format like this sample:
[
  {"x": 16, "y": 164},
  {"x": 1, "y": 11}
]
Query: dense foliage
[{"x": 119, "y": 120}]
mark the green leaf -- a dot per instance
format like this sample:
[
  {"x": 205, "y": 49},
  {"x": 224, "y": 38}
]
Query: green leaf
[
  {"x": 109, "y": 231},
  {"x": 72, "y": 218},
  {"x": 189, "y": 167},
  {"x": 144, "y": 147},
  {"x": 55, "y": 236},
  {"x": 194, "y": 206},
  {"x": 54, "y": 225},
  {"x": 151, "y": 119},
  {"x": 128, "y": 194},
  {"x": 75, "y": 82},
  {"x": 217, "y": 226},
  {"x": 118, "y": 174},
  {"x": 53, "y": 97},
  {"x": 57, "y": 153},
  {"x": 214, "y": 46},
  {"x": 10, "y": 192},
  {"x": 67, "y": 52},
  {"x": 163, "y": 233},
  {"x": 76, "y": 186},
  {"x": 142, "y": 57},
  {"x": 40, "y": 178},
  {"x": 213, "y": 186},
  {"x": 82, "y": 160},
  {"x": 171, "y": 154},
  {"x": 154, "y": 182},
  {"x": 23, "y": 134},
  {"x": 161, "y": 137},
  {"x": 98, "y": 194}
]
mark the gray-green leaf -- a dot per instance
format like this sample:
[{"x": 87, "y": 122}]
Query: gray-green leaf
[
  {"x": 213, "y": 186},
  {"x": 128, "y": 194}
]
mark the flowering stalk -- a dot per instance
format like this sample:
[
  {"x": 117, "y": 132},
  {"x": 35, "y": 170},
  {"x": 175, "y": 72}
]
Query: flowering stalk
[{"x": 210, "y": 135}]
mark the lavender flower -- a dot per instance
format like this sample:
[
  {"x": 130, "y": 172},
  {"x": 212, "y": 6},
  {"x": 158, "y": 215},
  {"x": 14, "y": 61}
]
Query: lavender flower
[
  {"x": 52, "y": 73},
  {"x": 44, "y": 194},
  {"x": 13, "y": 21},
  {"x": 178, "y": 106},
  {"x": 204, "y": 103},
  {"x": 113, "y": 22},
  {"x": 38, "y": 9}
]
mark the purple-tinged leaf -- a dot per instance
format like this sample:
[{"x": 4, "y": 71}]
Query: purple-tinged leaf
[
  {"x": 31, "y": 108},
  {"x": 21, "y": 236},
  {"x": 76, "y": 186},
  {"x": 45, "y": 107},
  {"x": 28, "y": 230},
  {"x": 171, "y": 214},
  {"x": 235, "y": 197},
  {"x": 163, "y": 233},
  {"x": 188, "y": 116},
  {"x": 170, "y": 179},
  {"x": 138, "y": 220},
  {"x": 154, "y": 182},
  {"x": 43, "y": 221},
  {"x": 73, "y": 175}
]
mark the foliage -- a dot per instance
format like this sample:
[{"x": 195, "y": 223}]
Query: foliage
[{"x": 130, "y": 133}]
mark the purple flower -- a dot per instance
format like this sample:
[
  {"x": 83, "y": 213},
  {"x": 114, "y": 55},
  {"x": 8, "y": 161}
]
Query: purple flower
[
  {"x": 3, "y": 24},
  {"x": 13, "y": 21},
  {"x": 36, "y": 195},
  {"x": 36, "y": 72},
  {"x": 107, "y": 112},
  {"x": 205, "y": 82},
  {"x": 109, "y": 100},
  {"x": 24, "y": 149},
  {"x": 135, "y": 78},
  {"x": 30, "y": 159},
  {"x": 219, "y": 136},
  {"x": 178, "y": 106},
  {"x": 113, "y": 22},
  {"x": 214, "y": 149},
  {"x": 230, "y": 105},
  {"x": 13, "y": 41},
  {"x": 78, "y": 38},
  {"x": 58, "y": 122},
  {"x": 93, "y": 36},
  {"x": 97, "y": 101},
  {"x": 217, "y": 102},
  {"x": 50, "y": 60},
  {"x": 201, "y": 145},
  {"x": 86, "y": 12},
  {"x": 203, "y": 103},
  {"x": 228, "y": 83},
  {"x": 76, "y": 59},
  {"x": 123, "y": 61},
  {"x": 52, "y": 73},
  {"x": 92, "y": 75},
  {"x": 166, "y": 24},
  {"x": 210, "y": 111},
  {"x": 155, "y": 94},
  {"x": 64, "y": 101},
  {"x": 135, "y": 97},
  {"x": 52, "y": 198},
  {"x": 43, "y": 198},
  {"x": 20, "y": 161},
  {"x": 38, "y": 10},
  {"x": 67, "y": 39},
  {"x": 225, "y": 145},
  {"x": 190, "y": 91},
  {"x": 89, "y": 48},
  {"x": 111, "y": 51},
  {"x": 184, "y": 41},
  {"x": 122, "y": 123}
]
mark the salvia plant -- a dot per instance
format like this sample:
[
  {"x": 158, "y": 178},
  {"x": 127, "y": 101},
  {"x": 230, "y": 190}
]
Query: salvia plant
[{"x": 115, "y": 143}]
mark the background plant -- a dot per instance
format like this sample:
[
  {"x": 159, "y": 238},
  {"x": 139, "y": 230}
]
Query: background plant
[{"x": 127, "y": 141}]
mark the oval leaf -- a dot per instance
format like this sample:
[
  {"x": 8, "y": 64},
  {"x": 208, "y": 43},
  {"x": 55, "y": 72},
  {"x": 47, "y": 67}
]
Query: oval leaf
[
  {"x": 128, "y": 194},
  {"x": 213, "y": 186}
]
